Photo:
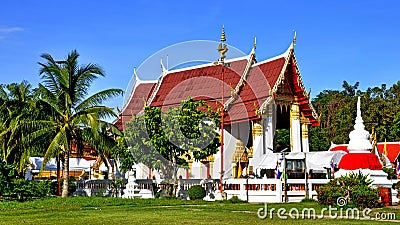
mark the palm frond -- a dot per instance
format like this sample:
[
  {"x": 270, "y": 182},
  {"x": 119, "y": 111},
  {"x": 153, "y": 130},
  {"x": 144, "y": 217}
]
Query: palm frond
[{"x": 99, "y": 97}]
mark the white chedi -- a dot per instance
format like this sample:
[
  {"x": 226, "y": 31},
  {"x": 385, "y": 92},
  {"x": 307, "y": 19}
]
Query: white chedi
[
  {"x": 132, "y": 188},
  {"x": 359, "y": 137},
  {"x": 359, "y": 143}
]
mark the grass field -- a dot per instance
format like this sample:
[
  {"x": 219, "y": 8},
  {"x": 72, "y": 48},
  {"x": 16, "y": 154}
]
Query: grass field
[{"x": 111, "y": 211}]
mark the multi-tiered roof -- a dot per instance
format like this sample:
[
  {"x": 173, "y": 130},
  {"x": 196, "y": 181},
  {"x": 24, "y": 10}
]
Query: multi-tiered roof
[{"x": 248, "y": 87}]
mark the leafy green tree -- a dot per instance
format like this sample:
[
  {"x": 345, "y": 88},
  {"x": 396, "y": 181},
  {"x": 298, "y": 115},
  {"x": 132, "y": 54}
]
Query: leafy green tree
[
  {"x": 337, "y": 109},
  {"x": 282, "y": 139},
  {"x": 75, "y": 118},
  {"x": 165, "y": 141}
]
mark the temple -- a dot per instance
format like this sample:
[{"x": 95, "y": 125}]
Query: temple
[{"x": 258, "y": 97}]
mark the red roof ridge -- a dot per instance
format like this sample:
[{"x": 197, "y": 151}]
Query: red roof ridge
[
  {"x": 159, "y": 82},
  {"x": 283, "y": 55},
  {"x": 301, "y": 84},
  {"x": 241, "y": 83},
  {"x": 287, "y": 55},
  {"x": 205, "y": 65}
]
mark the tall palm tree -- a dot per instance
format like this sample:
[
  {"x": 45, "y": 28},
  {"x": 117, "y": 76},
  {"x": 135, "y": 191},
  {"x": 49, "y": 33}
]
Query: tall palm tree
[
  {"x": 16, "y": 107},
  {"x": 74, "y": 117}
]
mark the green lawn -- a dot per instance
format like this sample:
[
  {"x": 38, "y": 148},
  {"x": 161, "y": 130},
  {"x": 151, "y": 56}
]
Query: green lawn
[{"x": 113, "y": 211}]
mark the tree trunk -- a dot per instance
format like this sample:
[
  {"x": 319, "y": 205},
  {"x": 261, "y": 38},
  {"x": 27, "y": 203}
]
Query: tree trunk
[
  {"x": 175, "y": 173},
  {"x": 112, "y": 169},
  {"x": 65, "y": 175}
]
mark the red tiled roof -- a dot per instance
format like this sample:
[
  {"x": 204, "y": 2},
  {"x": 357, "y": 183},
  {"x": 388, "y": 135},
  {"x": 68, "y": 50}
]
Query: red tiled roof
[
  {"x": 138, "y": 99},
  {"x": 140, "y": 94},
  {"x": 272, "y": 70},
  {"x": 205, "y": 82}
]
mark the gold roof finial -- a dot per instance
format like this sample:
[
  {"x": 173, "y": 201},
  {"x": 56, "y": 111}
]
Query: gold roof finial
[
  {"x": 294, "y": 40},
  {"x": 253, "y": 50},
  {"x": 222, "y": 47},
  {"x": 294, "y": 37},
  {"x": 223, "y": 38}
]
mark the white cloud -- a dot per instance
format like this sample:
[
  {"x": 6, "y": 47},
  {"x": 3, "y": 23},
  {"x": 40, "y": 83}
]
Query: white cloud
[{"x": 8, "y": 30}]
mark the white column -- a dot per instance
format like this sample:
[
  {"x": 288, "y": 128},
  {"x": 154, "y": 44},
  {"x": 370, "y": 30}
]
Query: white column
[
  {"x": 258, "y": 144},
  {"x": 269, "y": 121},
  {"x": 304, "y": 137},
  {"x": 295, "y": 129}
]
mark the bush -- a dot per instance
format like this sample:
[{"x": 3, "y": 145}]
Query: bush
[
  {"x": 196, "y": 192},
  {"x": 308, "y": 200},
  {"x": 391, "y": 173},
  {"x": 354, "y": 188},
  {"x": 25, "y": 190},
  {"x": 7, "y": 174},
  {"x": 235, "y": 199}
]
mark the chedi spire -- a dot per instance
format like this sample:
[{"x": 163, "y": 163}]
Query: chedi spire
[{"x": 359, "y": 137}]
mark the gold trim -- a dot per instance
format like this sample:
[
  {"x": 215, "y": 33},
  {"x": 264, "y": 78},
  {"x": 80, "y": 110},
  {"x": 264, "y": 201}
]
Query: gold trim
[
  {"x": 240, "y": 155},
  {"x": 250, "y": 153},
  {"x": 257, "y": 130}
]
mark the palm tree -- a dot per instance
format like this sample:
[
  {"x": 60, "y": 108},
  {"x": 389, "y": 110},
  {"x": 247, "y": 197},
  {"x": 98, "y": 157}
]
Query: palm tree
[
  {"x": 74, "y": 117},
  {"x": 16, "y": 107}
]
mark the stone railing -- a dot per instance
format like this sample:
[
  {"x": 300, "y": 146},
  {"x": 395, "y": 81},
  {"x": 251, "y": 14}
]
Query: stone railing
[{"x": 93, "y": 188}]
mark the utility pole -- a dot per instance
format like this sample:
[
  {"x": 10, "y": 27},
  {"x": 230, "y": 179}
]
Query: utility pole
[{"x": 222, "y": 49}]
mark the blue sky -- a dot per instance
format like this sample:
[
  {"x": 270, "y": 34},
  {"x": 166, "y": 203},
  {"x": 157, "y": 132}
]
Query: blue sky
[{"x": 336, "y": 40}]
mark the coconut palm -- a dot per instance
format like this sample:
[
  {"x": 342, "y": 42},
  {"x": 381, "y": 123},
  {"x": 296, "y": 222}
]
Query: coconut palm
[
  {"x": 74, "y": 118},
  {"x": 16, "y": 107}
]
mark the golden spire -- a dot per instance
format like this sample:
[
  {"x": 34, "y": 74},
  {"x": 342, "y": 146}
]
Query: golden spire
[
  {"x": 223, "y": 38},
  {"x": 222, "y": 47},
  {"x": 294, "y": 39},
  {"x": 253, "y": 50}
]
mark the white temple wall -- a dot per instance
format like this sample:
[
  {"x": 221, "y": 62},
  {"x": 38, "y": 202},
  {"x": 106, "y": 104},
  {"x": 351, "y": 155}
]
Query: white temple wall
[
  {"x": 241, "y": 131},
  {"x": 229, "y": 148}
]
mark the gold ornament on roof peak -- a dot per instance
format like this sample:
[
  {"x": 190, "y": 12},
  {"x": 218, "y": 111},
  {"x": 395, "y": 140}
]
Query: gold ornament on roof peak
[
  {"x": 223, "y": 38},
  {"x": 222, "y": 47},
  {"x": 294, "y": 37}
]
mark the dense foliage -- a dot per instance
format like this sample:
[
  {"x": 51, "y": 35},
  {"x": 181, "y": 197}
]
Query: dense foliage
[
  {"x": 57, "y": 116},
  {"x": 337, "y": 109},
  {"x": 15, "y": 188},
  {"x": 196, "y": 192},
  {"x": 354, "y": 189},
  {"x": 167, "y": 141}
]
